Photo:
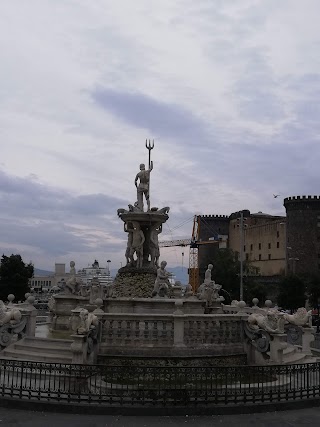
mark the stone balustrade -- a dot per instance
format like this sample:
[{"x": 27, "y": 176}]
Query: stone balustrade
[{"x": 175, "y": 333}]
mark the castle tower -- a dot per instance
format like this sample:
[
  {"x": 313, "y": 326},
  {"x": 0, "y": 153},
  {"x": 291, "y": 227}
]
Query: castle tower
[{"x": 303, "y": 234}]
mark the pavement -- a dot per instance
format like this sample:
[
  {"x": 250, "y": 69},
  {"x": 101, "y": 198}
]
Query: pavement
[{"x": 21, "y": 418}]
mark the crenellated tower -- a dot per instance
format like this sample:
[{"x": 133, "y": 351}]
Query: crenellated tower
[{"x": 303, "y": 234}]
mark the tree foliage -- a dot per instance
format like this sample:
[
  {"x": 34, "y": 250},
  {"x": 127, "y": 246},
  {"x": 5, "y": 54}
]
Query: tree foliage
[
  {"x": 225, "y": 272},
  {"x": 14, "y": 277},
  {"x": 313, "y": 289},
  {"x": 292, "y": 292},
  {"x": 252, "y": 289}
]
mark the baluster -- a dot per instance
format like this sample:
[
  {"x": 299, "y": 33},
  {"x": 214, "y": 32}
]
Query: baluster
[{"x": 155, "y": 331}]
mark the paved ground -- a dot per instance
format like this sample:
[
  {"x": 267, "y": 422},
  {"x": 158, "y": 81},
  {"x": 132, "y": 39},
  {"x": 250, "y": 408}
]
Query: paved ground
[{"x": 21, "y": 418}]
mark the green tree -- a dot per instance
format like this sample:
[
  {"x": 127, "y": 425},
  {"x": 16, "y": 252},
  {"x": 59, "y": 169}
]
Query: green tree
[
  {"x": 225, "y": 272},
  {"x": 14, "y": 277},
  {"x": 252, "y": 289},
  {"x": 292, "y": 292},
  {"x": 313, "y": 290}
]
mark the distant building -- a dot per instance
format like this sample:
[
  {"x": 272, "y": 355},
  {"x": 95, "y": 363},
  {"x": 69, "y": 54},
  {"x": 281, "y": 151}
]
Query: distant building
[
  {"x": 42, "y": 284},
  {"x": 274, "y": 245},
  {"x": 263, "y": 241},
  {"x": 39, "y": 284},
  {"x": 95, "y": 271},
  {"x": 303, "y": 234}
]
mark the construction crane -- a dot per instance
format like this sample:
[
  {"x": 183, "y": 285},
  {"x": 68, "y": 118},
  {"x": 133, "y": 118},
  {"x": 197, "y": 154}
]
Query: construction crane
[{"x": 194, "y": 243}]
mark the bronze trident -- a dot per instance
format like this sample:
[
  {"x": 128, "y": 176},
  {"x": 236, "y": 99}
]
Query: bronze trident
[{"x": 149, "y": 147}]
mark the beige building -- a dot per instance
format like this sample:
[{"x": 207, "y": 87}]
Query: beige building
[
  {"x": 264, "y": 239},
  {"x": 45, "y": 283}
]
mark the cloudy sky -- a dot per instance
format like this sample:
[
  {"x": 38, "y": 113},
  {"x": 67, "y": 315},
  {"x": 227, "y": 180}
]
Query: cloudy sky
[{"x": 228, "y": 89}]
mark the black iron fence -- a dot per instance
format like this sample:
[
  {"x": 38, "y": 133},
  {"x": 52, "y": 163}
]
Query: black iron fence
[{"x": 131, "y": 385}]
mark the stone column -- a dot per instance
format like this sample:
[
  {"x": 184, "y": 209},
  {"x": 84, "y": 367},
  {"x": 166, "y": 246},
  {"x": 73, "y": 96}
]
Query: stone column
[
  {"x": 30, "y": 312},
  {"x": 307, "y": 339},
  {"x": 79, "y": 349},
  {"x": 277, "y": 345}
]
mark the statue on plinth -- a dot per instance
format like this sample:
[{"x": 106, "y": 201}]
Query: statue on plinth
[
  {"x": 209, "y": 289},
  {"x": 72, "y": 285},
  {"x": 142, "y": 252},
  {"x": 143, "y": 187},
  {"x": 162, "y": 284}
]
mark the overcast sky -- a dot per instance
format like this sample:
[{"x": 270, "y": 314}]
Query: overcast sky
[{"x": 228, "y": 89}]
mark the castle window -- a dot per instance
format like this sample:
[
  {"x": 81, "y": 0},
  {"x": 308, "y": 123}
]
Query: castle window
[
  {"x": 278, "y": 234},
  {"x": 269, "y": 256},
  {"x": 278, "y": 245},
  {"x": 244, "y": 248},
  {"x": 259, "y": 257},
  {"x": 259, "y": 245},
  {"x": 251, "y": 247},
  {"x": 269, "y": 245},
  {"x": 247, "y": 257}
]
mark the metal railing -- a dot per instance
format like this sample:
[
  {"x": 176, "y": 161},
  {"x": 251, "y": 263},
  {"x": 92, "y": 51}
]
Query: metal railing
[{"x": 157, "y": 386}]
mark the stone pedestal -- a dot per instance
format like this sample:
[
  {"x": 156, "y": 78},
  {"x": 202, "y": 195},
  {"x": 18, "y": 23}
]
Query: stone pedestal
[
  {"x": 64, "y": 304},
  {"x": 277, "y": 345},
  {"x": 307, "y": 339}
]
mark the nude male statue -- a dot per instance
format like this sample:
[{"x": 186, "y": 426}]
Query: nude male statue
[
  {"x": 143, "y": 188},
  {"x": 138, "y": 240},
  {"x": 154, "y": 244}
]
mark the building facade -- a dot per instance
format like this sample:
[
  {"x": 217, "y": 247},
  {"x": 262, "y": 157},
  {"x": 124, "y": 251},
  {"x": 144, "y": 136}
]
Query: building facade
[
  {"x": 263, "y": 241},
  {"x": 303, "y": 234}
]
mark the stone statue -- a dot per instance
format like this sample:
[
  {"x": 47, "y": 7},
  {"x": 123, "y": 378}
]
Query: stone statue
[
  {"x": 11, "y": 316},
  {"x": 143, "y": 188},
  {"x": 154, "y": 244},
  {"x": 129, "y": 244},
  {"x": 209, "y": 289},
  {"x": 207, "y": 276},
  {"x": 272, "y": 321},
  {"x": 188, "y": 291},
  {"x": 162, "y": 284},
  {"x": 301, "y": 317},
  {"x": 88, "y": 321},
  {"x": 72, "y": 285},
  {"x": 95, "y": 290},
  {"x": 138, "y": 240}
]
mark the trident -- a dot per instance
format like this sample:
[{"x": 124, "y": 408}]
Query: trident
[{"x": 149, "y": 147}]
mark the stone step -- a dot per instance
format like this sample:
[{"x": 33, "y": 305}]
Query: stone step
[
  {"x": 290, "y": 349},
  {"x": 39, "y": 348},
  {"x": 11, "y": 353},
  {"x": 47, "y": 341},
  {"x": 297, "y": 357}
]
